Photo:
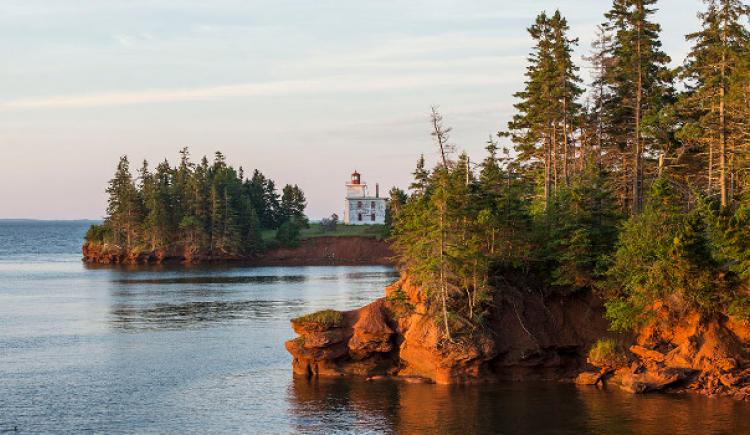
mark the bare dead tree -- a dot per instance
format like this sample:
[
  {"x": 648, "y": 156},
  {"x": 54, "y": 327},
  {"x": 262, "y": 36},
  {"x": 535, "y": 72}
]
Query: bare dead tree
[{"x": 441, "y": 134}]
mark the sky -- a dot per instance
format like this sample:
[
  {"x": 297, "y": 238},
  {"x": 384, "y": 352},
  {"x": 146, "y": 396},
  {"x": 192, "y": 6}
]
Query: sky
[{"x": 305, "y": 91}]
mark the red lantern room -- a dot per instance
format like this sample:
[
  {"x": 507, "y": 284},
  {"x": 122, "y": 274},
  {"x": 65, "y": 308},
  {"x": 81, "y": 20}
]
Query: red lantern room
[{"x": 355, "y": 177}]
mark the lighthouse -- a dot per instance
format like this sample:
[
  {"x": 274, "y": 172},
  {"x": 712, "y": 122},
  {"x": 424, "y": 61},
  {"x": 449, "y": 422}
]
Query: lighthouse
[{"x": 359, "y": 207}]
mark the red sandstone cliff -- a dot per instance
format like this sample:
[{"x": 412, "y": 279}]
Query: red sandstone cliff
[
  {"x": 319, "y": 251},
  {"x": 698, "y": 353},
  {"x": 528, "y": 339}
]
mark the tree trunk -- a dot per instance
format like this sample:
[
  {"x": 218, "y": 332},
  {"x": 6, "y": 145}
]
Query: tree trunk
[
  {"x": 443, "y": 288},
  {"x": 637, "y": 163},
  {"x": 547, "y": 169},
  {"x": 554, "y": 155},
  {"x": 722, "y": 120},
  {"x": 565, "y": 141}
]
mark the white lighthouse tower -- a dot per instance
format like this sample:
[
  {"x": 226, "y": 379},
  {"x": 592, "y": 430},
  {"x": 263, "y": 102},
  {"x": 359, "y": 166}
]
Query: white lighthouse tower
[{"x": 359, "y": 207}]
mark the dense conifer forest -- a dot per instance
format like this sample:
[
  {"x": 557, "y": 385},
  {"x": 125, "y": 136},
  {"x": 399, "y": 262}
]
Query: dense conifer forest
[
  {"x": 635, "y": 185},
  {"x": 208, "y": 208}
]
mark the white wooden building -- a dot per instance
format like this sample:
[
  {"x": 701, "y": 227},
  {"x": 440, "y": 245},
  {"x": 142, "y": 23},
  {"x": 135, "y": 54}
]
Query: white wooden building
[{"x": 359, "y": 207}]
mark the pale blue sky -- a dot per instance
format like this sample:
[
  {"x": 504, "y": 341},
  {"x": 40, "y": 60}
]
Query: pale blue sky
[{"x": 306, "y": 91}]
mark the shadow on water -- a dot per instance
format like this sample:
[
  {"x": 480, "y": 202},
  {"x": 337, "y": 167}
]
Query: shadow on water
[{"x": 539, "y": 408}]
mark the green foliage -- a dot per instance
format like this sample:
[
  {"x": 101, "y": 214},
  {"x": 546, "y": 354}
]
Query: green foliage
[
  {"x": 289, "y": 232},
  {"x": 579, "y": 230},
  {"x": 98, "y": 233},
  {"x": 397, "y": 199},
  {"x": 679, "y": 258},
  {"x": 325, "y": 319},
  {"x": 606, "y": 353},
  {"x": 739, "y": 308},
  {"x": 293, "y": 205},
  {"x": 329, "y": 224},
  {"x": 624, "y": 314},
  {"x": 553, "y": 214},
  {"x": 205, "y": 207}
]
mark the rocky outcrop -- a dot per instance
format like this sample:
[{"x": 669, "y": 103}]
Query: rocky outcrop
[
  {"x": 318, "y": 251},
  {"x": 398, "y": 336},
  {"x": 694, "y": 353},
  {"x": 529, "y": 338},
  {"x": 362, "y": 344}
]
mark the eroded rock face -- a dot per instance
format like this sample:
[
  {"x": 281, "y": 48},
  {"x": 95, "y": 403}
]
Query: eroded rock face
[
  {"x": 530, "y": 338},
  {"x": 384, "y": 338},
  {"x": 362, "y": 345},
  {"x": 695, "y": 353}
]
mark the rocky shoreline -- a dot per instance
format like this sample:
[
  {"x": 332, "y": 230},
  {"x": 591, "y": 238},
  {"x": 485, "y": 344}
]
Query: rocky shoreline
[
  {"x": 397, "y": 336},
  {"x": 318, "y": 251},
  {"x": 528, "y": 339},
  {"x": 705, "y": 355}
]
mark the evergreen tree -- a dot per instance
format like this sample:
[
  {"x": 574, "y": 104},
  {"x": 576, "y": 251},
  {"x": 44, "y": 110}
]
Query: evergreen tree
[
  {"x": 566, "y": 91},
  {"x": 639, "y": 85},
  {"x": 293, "y": 204},
  {"x": 531, "y": 128},
  {"x": 397, "y": 199},
  {"x": 713, "y": 102},
  {"x": 124, "y": 206},
  {"x": 160, "y": 205},
  {"x": 419, "y": 185},
  {"x": 548, "y": 111},
  {"x": 206, "y": 208}
]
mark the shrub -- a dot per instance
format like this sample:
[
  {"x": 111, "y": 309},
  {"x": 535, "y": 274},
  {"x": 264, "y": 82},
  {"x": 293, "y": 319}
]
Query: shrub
[
  {"x": 329, "y": 223},
  {"x": 325, "y": 318},
  {"x": 97, "y": 233},
  {"x": 288, "y": 233},
  {"x": 606, "y": 353},
  {"x": 739, "y": 308},
  {"x": 664, "y": 254}
]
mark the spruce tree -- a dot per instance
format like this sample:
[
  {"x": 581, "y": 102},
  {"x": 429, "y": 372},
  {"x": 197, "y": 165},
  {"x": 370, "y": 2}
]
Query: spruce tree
[
  {"x": 419, "y": 185},
  {"x": 713, "y": 104},
  {"x": 124, "y": 206},
  {"x": 639, "y": 83}
]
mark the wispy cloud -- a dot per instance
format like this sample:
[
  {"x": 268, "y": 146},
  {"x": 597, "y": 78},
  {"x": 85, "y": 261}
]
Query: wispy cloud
[
  {"x": 130, "y": 41},
  {"x": 286, "y": 87}
]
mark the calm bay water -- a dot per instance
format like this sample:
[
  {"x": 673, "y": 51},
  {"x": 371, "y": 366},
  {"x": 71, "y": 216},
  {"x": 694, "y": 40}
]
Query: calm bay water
[{"x": 200, "y": 349}]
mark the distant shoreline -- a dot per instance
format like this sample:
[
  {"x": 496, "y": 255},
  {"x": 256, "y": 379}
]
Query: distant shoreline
[
  {"x": 343, "y": 250},
  {"x": 31, "y": 220}
]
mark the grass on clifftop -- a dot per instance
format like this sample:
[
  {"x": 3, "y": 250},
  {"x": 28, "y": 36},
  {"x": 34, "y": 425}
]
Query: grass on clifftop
[
  {"x": 606, "y": 352},
  {"x": 326, "y": 318},
  {"x": 316, "y": 230}
]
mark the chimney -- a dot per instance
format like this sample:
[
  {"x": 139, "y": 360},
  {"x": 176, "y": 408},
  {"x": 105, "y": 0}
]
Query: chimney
[{"x": 377, "y": 190}]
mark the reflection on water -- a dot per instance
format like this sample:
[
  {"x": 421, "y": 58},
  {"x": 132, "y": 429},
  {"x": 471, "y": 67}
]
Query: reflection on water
[
  {"x": 262, "y": 279},
  {"x": 173, "y": 298},
  {"x": 166, "y": 316},
  {"x": 518, "y": 408}
]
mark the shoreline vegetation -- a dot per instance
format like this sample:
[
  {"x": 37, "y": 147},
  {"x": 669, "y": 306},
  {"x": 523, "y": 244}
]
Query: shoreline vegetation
[
  {"x": 211, "y": 212},
  {"x": 613, "y": 245}
]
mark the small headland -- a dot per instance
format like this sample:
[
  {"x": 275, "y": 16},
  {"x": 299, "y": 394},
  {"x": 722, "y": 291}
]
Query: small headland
[
  {"x": 563, "y": 338},
  {"x": 346, "y": 246},
  {"x": 398, "y": 336}
]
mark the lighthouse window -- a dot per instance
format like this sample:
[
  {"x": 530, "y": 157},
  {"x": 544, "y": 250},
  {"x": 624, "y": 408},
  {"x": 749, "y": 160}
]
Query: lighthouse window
[
  {"x": 372, "y": 217},
  {"x": 372, "y": 204},
  {"x": 359, "y": 205},
  {"x": 359, "y": 217}
]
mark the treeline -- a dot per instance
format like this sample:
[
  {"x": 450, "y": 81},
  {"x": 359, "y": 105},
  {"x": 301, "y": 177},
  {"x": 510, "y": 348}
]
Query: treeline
[
  {"x": 207, "y": 208},
  {"x": 636, "y": 185}
]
